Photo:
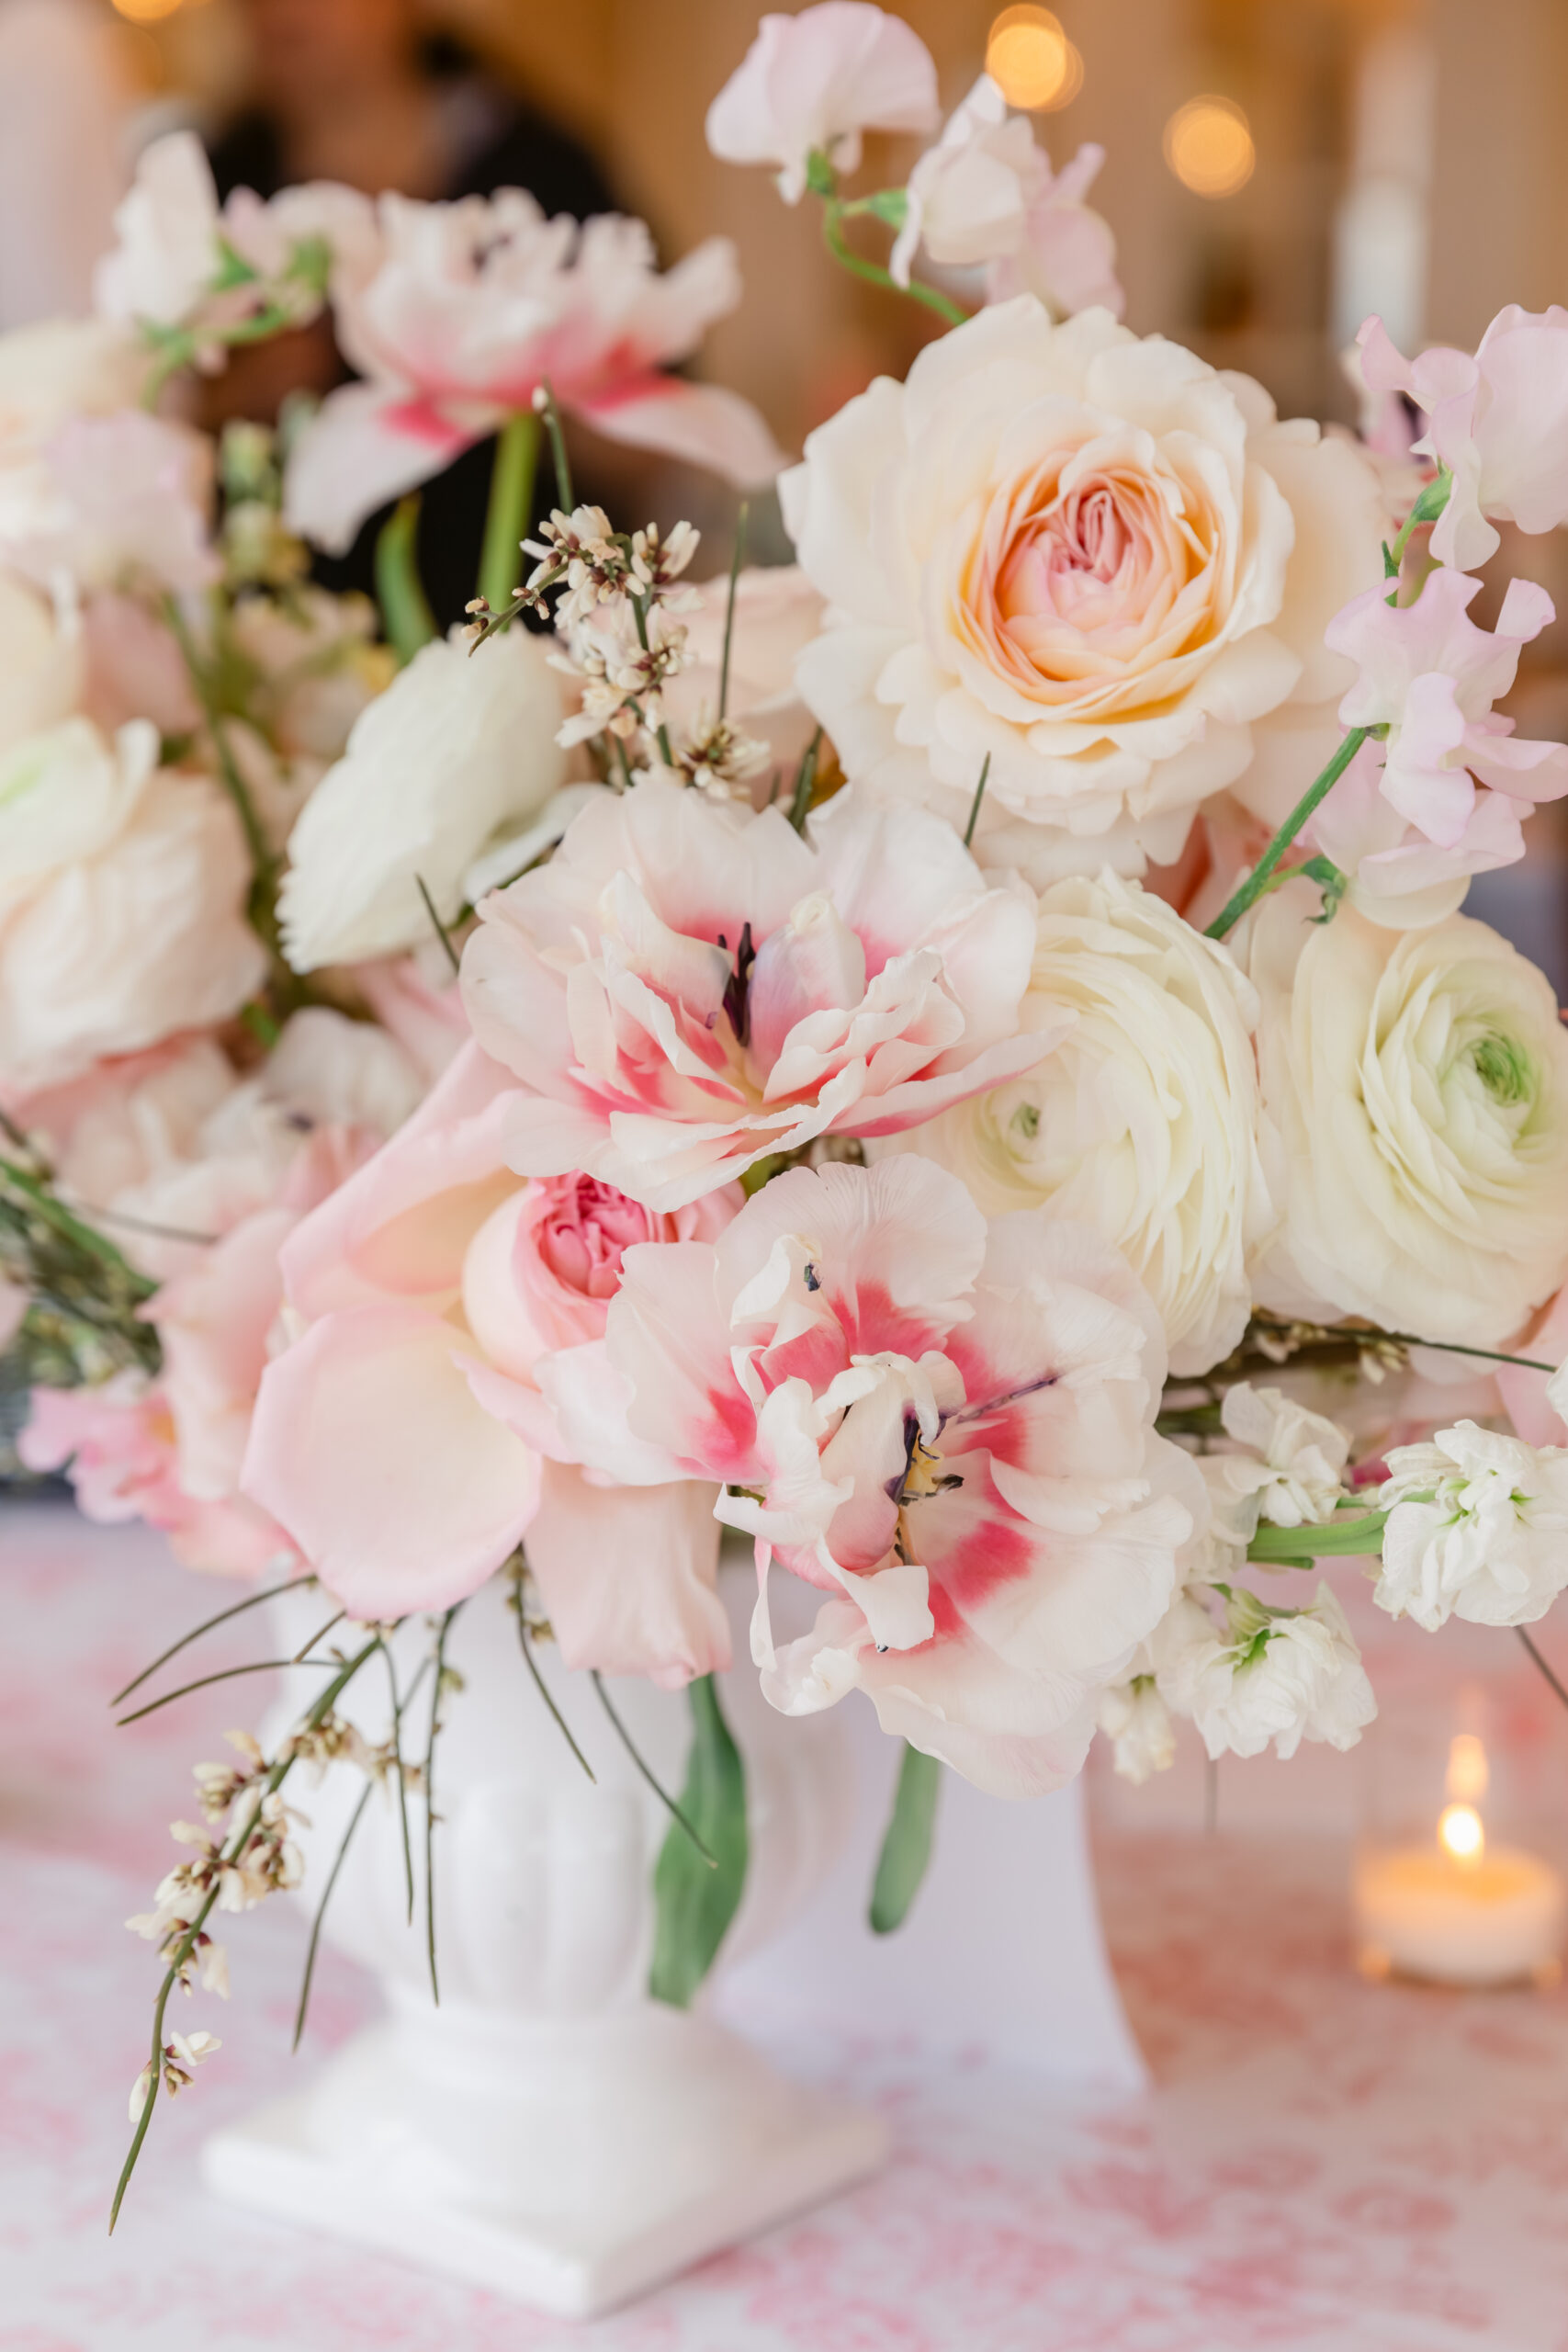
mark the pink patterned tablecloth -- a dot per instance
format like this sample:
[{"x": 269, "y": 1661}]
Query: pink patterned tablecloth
[{"x": 1323, "y": 2166}]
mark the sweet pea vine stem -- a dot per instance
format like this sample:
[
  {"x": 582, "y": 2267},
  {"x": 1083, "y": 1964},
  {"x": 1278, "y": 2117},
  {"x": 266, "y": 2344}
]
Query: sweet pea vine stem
[
  {"x": 888, "y": 206},
  {"x": 182, "y": 1952},
  {"x": 1258, "y": 882}
]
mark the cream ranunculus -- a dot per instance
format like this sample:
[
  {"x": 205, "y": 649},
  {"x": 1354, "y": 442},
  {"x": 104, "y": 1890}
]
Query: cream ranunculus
[
  {"x": 1420, "y": 1084},
  {"x": 122, "y": 893},
  {"x": 1144, "y": 1123},
  {"x": 41, "y": 665},
  {"x": 455, "y": 752},
  {"x": 1088, "y": 558}
]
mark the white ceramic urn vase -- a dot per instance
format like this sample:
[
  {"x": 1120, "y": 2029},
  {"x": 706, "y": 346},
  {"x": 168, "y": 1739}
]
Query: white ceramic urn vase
[{"x": 548, "y": 2131}]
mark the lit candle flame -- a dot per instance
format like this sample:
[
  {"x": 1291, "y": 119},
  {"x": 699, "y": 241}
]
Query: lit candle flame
[
  {"x": 1461, "y": 1833},
  {"x": 1468, "y": 1772}
]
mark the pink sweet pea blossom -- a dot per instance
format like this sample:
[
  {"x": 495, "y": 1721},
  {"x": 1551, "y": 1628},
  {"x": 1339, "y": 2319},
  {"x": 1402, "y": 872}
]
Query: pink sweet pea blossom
[
  {"x": 471, "y": 308},
  {"x": 816, "y": 80},
  {"x": 1499, "y": 422},
  {"x": 948, "y": 1429},
  {"x": 987, "y": 193},
  {"x": 405, "y": 1439},
  {"x": 688, "y": 988},
  {"x": 1455, "y": 778}
]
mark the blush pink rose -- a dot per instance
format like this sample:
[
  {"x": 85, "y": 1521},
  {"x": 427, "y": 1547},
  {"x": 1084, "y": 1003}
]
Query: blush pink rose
[{"x": 405, "y": 1438}]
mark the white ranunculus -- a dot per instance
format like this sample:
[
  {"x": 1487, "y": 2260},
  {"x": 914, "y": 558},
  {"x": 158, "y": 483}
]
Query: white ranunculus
[
  {"x": 1087, "y": 557},
  {"x": 1144, "y": 1122},
  {"x": 1478, "y": 1528},
  {"x": 333, "y": 1071},
  {"x": 122, "y": 894},
  {"x": 41, "y": 666},
  {"x": 456, "y": 750},
  {"x": 1418, "y": 1081},
  {"x": 1269, "y": 1674},
  {"x": 1136, "y": 1721}
]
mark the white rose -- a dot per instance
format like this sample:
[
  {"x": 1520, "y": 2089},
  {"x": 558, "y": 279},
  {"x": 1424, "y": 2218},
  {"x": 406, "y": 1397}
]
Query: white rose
[
  {"x": 1087, "y": 557},
  {"x": 122, "y": 892},
  {"x": 458, "y": 749},
  {"x": 1136, "y": 1721},
  {"x": 777, "y": 613},
  {"x": 1144, "y": 1122},
  {"x": 42, "y": 671},
  {"x": 1420, "y": 1084},
  {"x": 1478, "y": 1528},
  {"x": 1279, "y": 1675}
]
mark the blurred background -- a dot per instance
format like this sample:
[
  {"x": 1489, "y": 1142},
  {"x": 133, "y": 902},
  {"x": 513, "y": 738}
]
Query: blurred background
[{"x": 1275, "y": 170}]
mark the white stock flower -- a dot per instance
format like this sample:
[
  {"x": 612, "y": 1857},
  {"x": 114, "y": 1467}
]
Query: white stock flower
[
  {"x": 1088, "y": 559},
  {"x": 122, "y": 891},
  {"x": 454, "y": 752},
  {"x": 1420, "y": 1084},
  {"x": 1144, "y": 1122},
  {"x": 1289, "y": 1470},
  {"x": 816, "y": 80},
  {"x": 1136, "y": 1721},
  {"x": 1279, "y": 1675},
  {"x": 1477, "y": 1528}
]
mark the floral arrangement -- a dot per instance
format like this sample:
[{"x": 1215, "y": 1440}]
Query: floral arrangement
[{"x": 961, "y": 1060}]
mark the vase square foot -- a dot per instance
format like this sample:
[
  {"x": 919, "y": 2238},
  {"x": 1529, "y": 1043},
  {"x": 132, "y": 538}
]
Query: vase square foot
[{"x": 574, "y": 2264}]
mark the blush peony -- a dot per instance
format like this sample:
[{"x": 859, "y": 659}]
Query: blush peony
[
  {"x": 687, "y": 989},
  {"x": 947, "y": 1429},
  {"x": 1088, "y": 558}
]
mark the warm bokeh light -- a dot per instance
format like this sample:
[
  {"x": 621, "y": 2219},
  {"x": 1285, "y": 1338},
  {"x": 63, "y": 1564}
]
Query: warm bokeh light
[
  {"x": 148, "y": 12},
  {"x": 1208, "y": 144},
  {"x": 1031, "y": 60},
  {"x": 1468, "y": 1771},
  {"x": 1460, "y": 1833}
]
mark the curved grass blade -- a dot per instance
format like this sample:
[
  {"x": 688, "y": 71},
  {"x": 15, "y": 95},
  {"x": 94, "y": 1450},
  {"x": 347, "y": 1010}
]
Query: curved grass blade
[
  {"x": 660, "y": 1791},
  {"x": 322, "y": 1913},
  {"x": 254, "y": 1601}
]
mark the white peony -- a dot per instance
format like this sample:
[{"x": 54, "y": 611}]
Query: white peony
[
  {"x": 457, "y": 750},
  {"x": 1088, "y": 558},
  {"x": 123, "y": 895},
  {"x": 1420, "y": 1084},
  {"x": 1136, "y": 1721},
  {"x": 1477, "y": 1528},
  {"x": 1144, "y": 1122},
  {"x": 1269, "y": 1674}
]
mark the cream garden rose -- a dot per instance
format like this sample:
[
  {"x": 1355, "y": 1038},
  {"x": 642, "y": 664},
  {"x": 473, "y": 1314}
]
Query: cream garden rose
[
  {"x": 1144, "y": 1122},
  {"x": 1419, "y": 1082},
  {"x": 1089, "y": 558}
]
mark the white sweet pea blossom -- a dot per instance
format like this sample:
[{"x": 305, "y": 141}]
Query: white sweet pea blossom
[
  {"x": 1477, "y": 1528},
  {"x": 455, "y": 752},
  {"x": 1136, "y": 1721},
  {"x": 968, "y": 195},
  {"x": 814, "y": 81},
  {"x": 1277, "y": 1675}
]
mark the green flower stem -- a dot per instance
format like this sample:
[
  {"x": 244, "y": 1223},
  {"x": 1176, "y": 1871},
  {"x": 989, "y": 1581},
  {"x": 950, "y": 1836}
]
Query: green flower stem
[
  {"x": 907, "y": 1847},
  {"x": 1293, "y": 1546},
  {"x": 187, "y": 1945},
  {"x": 736, "y": 560},
  {"x": 640, "y": 613},
  {"x": 262, "y": 908},
  {"x": 833, "y": 213},
  {"x": 1258, "y": 882},
  {"x": 511, "y": 507},
  {"x": 406, "y": 617},
  {"x": 45, "y": 1204},
  {"x": 1427, "y": 508}
]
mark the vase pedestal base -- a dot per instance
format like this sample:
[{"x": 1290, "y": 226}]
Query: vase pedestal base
[{"x": 570, "y": 2164}]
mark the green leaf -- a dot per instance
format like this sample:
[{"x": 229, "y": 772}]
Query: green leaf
[
  {"x": 405, "y": 615},
  {"x": 693, "y": 1901},
  {"x": 907, "y": 1847}
]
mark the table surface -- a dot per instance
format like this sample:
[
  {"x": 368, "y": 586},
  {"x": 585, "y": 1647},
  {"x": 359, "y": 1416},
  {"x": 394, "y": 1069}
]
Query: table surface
[{"x": 1321, "y": 2163}]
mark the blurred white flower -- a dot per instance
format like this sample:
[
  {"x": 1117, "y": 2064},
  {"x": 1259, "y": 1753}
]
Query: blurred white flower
[
  {"x": 457, "y": 751},
  {"x": 1136, "y": 1721}
]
